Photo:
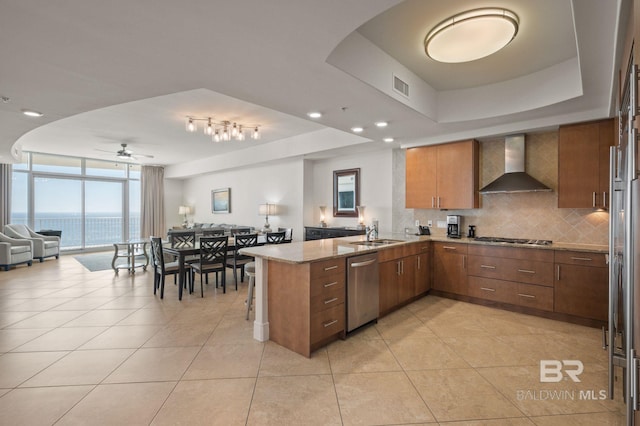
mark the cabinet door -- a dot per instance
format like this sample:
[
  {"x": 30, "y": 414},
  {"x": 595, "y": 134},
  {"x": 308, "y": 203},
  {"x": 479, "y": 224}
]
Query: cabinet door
[
  {"x": 406, "y": 285},
  {"x": 389, "y": 273},
  {"x": 582, "y": 291},
  {"x": 420, "y": 175},
  {"x": 457, "y": 178},
  {"x": 607, "y": 137},
  {"x": 450, "y": 272},
  {"x": 422, "y": 277}
]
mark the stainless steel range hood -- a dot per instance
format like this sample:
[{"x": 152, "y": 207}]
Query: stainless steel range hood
[{"x": 514, "y": 178}]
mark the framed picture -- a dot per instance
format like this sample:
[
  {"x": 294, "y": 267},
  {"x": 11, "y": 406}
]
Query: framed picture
[
  {"x": 221, "y": 200},
  {"x": 346, "y": 192}
]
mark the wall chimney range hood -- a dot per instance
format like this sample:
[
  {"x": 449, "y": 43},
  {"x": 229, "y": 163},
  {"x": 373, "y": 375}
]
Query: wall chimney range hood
[{"x": 514, "y": 178}]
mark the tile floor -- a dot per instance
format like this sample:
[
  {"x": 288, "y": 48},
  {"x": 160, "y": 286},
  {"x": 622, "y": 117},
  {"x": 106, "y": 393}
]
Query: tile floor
[{"x": 79, "y": 347}]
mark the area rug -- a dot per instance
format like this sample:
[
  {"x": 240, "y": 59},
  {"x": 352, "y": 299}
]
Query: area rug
[{"x": 96, "y": 261}]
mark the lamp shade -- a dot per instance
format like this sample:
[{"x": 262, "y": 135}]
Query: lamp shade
[
  {"x": 184, "y": 210},
  {"x": 267, "y": 209}
]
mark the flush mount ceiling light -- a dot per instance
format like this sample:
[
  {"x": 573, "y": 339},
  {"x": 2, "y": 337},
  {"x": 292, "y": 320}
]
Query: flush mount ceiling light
[
  {"x": 222, "y": 130},
  {"x": 357, "y": 129},
  {"x": 314, "y": 114},
  {"x": 471, "y": 35},
  {"x": 388, "y": 140},
  {"x": 381, "y": 124},
  {"x": 31, "y": 113}
]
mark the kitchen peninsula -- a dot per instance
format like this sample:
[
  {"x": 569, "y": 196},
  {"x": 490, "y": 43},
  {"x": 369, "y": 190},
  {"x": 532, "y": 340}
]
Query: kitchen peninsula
[{"x": 301, "y": 287}]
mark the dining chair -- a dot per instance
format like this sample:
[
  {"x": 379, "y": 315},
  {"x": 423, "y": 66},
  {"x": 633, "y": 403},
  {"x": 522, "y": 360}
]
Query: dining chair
[
  {"x": 236, "y": 231},
  {"x": 276, "y": 237},
  {"x": 213, "y": 232},
  {"x": 288, "y": 234},
  {"x": 161, "y": 268},
  {"x": 213, "y": 258},
  {"x": 181, "y": 239},
  {"x": 250, "y": 271},
  {"x": 239, "y": 260}
]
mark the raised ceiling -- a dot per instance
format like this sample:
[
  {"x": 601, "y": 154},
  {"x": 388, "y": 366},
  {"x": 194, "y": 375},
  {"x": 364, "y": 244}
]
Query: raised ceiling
[{"x": 106, "y": 73}]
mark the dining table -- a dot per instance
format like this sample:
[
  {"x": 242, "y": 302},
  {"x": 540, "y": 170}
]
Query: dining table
[{"x": 183, "y": 252}]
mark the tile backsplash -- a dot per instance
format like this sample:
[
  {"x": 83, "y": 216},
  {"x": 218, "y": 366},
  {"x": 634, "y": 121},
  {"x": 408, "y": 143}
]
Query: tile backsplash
[{"x": 533, "y": 215}]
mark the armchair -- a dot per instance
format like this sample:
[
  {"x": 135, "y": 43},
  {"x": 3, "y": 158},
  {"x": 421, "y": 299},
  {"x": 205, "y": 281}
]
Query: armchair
[
  {"x": 15, "y": 251},
  {"x": 43, "y": 245}
]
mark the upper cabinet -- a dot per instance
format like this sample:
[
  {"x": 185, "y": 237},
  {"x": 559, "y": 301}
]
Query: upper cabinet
[
  {"x": 443, "y": 176},
  {"x": 583, "y": 164}
]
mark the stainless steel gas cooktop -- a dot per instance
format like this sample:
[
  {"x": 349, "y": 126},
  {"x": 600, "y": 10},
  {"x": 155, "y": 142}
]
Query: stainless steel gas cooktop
[{"x": 514, "y": 241}]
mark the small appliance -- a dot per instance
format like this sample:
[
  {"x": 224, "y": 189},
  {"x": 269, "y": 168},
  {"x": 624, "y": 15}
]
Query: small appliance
[
  {"x": 423, "y": 230},
  {"x": 454, "y": 223},
  {"x": 472, "y": 231}
]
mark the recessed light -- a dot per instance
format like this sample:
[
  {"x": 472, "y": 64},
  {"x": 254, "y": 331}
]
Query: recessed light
[
  {"x": 314, "y": 114},
  {"x": 382, "y": 124},
  {"x": 388, "y": 140},
  {"x": 357, "y": 129},
  {"x": 31, "y": 113}
]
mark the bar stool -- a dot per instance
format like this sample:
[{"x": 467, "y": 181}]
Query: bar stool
[{"x": 250, "y": 271}]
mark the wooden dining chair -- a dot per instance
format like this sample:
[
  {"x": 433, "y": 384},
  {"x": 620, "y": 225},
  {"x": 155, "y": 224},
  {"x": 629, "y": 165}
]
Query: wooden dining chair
[
  {"x": 276, "y": 237},
  {"x": 236, "y": 231},
  {"x": 213, "y": 258},
  {"x": 213, "y": 232},
  {"x": 239, "y": 260},
  {"x": 161, "y": 268},
  {"x": 288, "y": 234}
]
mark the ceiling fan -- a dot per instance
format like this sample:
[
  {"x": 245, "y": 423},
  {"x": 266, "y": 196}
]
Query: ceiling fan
[{"x": 126, "y": 154}]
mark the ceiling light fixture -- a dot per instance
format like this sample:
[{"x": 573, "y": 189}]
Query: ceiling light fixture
[
  {"x": 357, "y": 129},
  {"x": 31, "y": 113},
  {"x": 388, "y": 140},
  {"x": 471, "y": 35},
  {"x": 222, "y": 130},
  {"x": 314, "y": 114},
  {"x": 381, "y": 124}
]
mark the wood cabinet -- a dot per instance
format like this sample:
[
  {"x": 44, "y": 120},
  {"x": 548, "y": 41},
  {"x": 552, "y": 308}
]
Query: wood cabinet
[
  {"x": 306, "y": 304},
  {"x": 583, "y": 164},
  {"x": 318, "y": 233},
  {"x": 581, "y": 284},
  {"x": 450, "y": 267},
  {"x": 443, "y": 176},
  {"x": 422, "y": 269}
]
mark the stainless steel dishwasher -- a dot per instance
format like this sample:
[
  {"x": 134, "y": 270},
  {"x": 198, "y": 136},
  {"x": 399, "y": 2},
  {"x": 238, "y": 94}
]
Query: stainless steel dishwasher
[{"x": 362, "y": 290}]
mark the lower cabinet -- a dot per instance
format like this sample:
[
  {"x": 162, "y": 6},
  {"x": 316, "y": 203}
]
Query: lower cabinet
[
  {"x": 581, "y": 285},
  {"x": 450, "y": 267}
]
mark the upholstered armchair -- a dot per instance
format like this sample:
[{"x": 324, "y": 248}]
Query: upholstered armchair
[
  {"x": 15, "y": 251},
  {"x": 43, "y": 245}
]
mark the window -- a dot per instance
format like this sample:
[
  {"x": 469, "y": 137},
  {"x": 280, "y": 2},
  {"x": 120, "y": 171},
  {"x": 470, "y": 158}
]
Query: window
[{"x": 94, "y": 203}]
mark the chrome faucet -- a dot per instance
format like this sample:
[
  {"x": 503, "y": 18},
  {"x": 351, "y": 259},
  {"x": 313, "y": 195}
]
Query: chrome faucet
[{"x": 372, "y": 232}]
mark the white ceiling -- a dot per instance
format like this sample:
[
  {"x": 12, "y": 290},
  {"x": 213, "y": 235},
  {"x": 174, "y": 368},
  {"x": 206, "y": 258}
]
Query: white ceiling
[{"x": 106, "y": 73}]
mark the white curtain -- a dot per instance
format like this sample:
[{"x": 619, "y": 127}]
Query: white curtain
[
  {"x": 152, "y": 222},
  {"x": 5, "y": 194}
]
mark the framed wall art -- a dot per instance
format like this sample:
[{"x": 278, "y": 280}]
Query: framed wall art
[{"x": 221, "y": 200}]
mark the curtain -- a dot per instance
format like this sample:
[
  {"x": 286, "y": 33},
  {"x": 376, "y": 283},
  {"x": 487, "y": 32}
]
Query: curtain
[
  {"x": 152, "y": 222},
  {"x": 5, "y": 194}
]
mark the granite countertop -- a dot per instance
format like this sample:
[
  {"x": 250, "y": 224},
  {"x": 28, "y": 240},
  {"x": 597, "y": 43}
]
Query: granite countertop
[{"x": 310, "y": 251}]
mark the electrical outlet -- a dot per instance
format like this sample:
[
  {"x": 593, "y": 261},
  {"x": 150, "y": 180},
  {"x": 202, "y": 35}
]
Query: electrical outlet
[
  {"x": 418, "y": 222},
  {"x": 442, "y": 224},
  {"x": 429, "y": 223},
  {"x": 407, "y": 230}
]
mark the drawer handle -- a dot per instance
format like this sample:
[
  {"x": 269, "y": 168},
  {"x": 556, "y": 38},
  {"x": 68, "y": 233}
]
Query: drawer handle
[
  {"x": 331, "y": 267},
  {"x": 326, "y": 302},
  {"x": 530, "y": 296},
  {"x": 448, "y": 248},
  {"x": 330, "y": 323},
  {"x": 487, "y": 289},
  {"x": 584, "y": 259},
  {"x": 487, "y": 267},
  {"x": 526, "y": 271},
  {"x": 330, "y": 284}
]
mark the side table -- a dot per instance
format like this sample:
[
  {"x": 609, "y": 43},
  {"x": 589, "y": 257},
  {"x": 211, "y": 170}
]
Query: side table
[{"x": 133, "y": 251}]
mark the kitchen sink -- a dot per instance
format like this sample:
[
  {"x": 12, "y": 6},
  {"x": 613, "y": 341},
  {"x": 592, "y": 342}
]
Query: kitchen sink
[{"x": 376, "y": 243}]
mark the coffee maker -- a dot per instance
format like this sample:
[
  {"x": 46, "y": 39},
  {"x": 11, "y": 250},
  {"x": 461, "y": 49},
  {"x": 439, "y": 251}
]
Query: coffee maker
[{"x": 454, "y": 224}]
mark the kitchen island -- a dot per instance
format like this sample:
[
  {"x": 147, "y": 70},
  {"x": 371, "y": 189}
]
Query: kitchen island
[{"x": 300, "y": 287}]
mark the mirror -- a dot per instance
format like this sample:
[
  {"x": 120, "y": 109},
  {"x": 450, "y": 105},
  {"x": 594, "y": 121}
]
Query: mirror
[{"x": 346, "y": 192}]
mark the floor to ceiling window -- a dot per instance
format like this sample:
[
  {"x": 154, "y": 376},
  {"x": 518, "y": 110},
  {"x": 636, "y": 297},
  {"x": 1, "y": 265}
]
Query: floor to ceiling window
[{"x": 94, "y": 203}]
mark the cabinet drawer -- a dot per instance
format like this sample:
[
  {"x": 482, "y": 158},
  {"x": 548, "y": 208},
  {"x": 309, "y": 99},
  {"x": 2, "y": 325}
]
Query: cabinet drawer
[
  {"x": 542, "y": 255},
  {"x": 455, "y": 248},
  {"x": 534, "y": 296},
  {"x": 523, "y": 271},
  {"x": 326, "y": 323},
  {"x": 392, "y": 253},
  {"x": 327, "y": 267},
  {"x": 324, "y": 284},
  {"x": 489, "y": 289},
  {"x": 581, "y": 258},
  {"x": 328, "y": 298}
]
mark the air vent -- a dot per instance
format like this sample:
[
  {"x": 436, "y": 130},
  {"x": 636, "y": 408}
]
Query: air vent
[{"x": 400, "y": 86}]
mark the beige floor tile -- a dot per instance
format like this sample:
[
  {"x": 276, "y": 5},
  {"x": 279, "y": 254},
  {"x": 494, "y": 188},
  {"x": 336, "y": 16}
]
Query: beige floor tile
[
  {"x": 180, "y": 335},
  {"x": 12, "y": 338},
  {"x": 9, "y": 318},
  {"x": 47, "y": 319},
  {"x": 425, "y": 354},
  {"x": 83, "y": 303},
  {"x": 100, "y": 318},
  {"x": 208, "y": 402},
  {"x": 120, "y": 404},
  {"x": 38, "y": 304},
  {"x": 150, "y": 317},
  {"x": 489, "y": 351},
  {"x": 15, "y": 368},
  {"x": 591, "y": 419},
  {"x": 461, "y": 394},
  {"x": 121, "y": 337},
  {"x": 515, "y": 421},
  {"x": 61, "y": 339},
  {"x": 403, "y": 324},
  {"x": 154, "y": 365},
  {"x": 232, "y": 330},
  {"x": 80, "y": 368},
  {"x": 379, "y": 398},
  {"x": 360, "y": 356},
  {"x": 39, "y": 406},
  {"x": 124, "y": 302},
  {"x": 279, "y": 361},
  {"x": 308, "y": 400},
  {"x": 226, "y": 361}
]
